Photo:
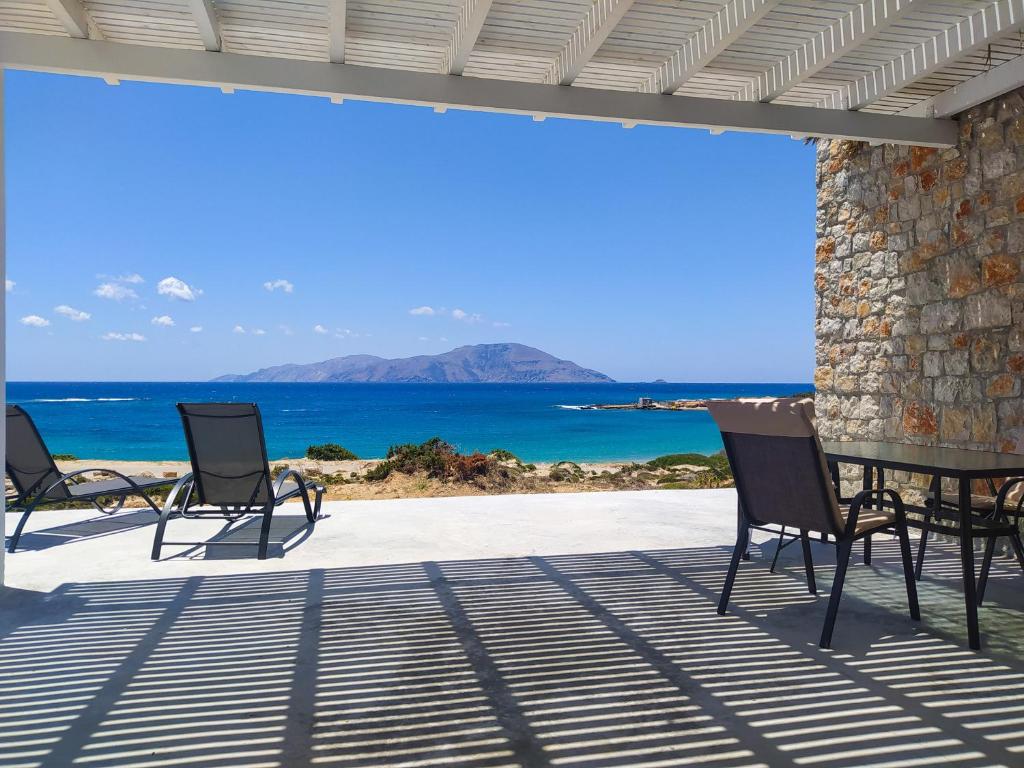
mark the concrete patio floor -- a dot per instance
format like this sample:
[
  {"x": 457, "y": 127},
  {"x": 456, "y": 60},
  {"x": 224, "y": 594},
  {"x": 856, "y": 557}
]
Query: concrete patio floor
[{"x": 572, "y": 629}]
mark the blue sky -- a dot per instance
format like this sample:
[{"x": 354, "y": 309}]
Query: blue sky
[{"x": 176, "y": 233}]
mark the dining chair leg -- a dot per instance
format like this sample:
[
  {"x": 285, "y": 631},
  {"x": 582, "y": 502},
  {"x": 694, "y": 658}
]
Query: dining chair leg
[
  {"x": 842, "y": 561},
  {"x": 778, "y": 549},
  {"x": 730, "y": 577},
  {"x": 867, "y": 549},
  {"x": 920, "y": 549},
  {"x": 986, "y": 565},
  {"x": 1018, "y": 548},
  {"x": 805, "y": 543},
  {"x": 908, "y": 569}
]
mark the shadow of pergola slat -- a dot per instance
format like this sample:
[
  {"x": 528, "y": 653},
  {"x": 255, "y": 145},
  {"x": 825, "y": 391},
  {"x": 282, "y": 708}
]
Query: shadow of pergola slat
[{"x": 603, "y": 660}]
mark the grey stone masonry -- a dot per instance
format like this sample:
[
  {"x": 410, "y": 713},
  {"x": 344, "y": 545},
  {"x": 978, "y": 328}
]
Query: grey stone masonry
[{"x": 919, "y": 289}]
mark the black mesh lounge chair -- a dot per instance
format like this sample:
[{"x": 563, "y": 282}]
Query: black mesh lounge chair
[
  {"x": 230, "y": 472},
  {"x": 782, "y": 478},
  {"x": 38, "y": 482}
]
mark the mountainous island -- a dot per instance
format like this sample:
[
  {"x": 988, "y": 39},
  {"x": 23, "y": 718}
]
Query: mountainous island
[{"x": 479, "y": 363}]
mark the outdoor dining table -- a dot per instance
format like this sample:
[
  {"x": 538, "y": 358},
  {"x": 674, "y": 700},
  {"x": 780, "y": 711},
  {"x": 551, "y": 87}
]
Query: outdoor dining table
[{"x": 957, "y": 464}]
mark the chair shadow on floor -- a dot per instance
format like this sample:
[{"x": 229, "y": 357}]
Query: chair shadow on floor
[
  {"x": 92, "y": 528},
  {"x": 604, "y": 659}
]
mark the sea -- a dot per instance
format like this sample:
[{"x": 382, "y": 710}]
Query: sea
[{"x": 537, "y": 422}]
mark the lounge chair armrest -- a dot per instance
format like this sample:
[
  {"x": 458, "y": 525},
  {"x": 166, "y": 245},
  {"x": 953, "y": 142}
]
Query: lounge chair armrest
[
  {"x": 172, "y": 497},
  {"x": 280, "y": 479},
  {"x": 71, "y": 475},
  {"x": 1004, "y": 491}
]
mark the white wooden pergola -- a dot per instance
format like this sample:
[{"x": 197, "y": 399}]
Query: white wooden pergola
[{"x": 872, "y": 70}]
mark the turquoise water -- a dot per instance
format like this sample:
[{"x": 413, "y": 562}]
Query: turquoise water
[{"x": 133, "y": 420}]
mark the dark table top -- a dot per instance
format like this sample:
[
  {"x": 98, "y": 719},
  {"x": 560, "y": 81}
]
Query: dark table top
[{"x": 948, "y": 462}]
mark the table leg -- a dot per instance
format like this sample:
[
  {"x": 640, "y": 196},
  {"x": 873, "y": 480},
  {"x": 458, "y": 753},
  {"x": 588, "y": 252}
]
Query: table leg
[{"x": 967, "y": 561}]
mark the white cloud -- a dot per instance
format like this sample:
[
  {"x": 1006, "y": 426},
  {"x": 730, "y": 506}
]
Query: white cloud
[
  {"x": 10, "y": 285},
  {"x": 196, "y": 329},
  {"x": 115, "y": 292},
  {"x": 286, "y": 330},
  {"x": 424, "y": 310},
  {"x": 284, "y": 285},
  {"x": 258, "y": 332},
  {"x": 134, "y": 278},
  {"x": 238, "y": 329},
  {"x": 500, "y": 324},
  {"x": 443, "y": 338},
  {"x": 424, "y": 338},
  {"x": 35, "y": 321},
  {"x": 319, "y": 329},
  {"x": 345, "y": 333},
  {"x": 466, "y": 317},
  {"x": 114, "y": 336},
  {"x": 165, "y": 320},
  {"x": 174, "y": 288},
  {"x": 71, "y": 313}
]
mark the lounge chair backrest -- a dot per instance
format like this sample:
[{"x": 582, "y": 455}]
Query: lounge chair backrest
[
  {"x": 29, "y": 464},
  {"x": 781, "y": 473},
  {"x": 228, "y": 453}
]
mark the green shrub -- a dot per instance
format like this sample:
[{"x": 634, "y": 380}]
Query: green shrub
[
  {"x": 500, "y": 454},
  {"x": 716, "y": 462},
  {"x": 64, "y": 457},
  {"x": 329, "y": 452},
  {"x": 379, "y": 472},
  {"x": 566, "y": 471}
]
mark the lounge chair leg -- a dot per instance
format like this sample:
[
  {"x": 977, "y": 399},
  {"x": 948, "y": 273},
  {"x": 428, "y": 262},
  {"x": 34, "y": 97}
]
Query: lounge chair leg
[
  {"x": 920, "y": 549},
  {"x": 867, "y": 549},
  {"x": 805, "y": 543},
  {"x": 730, "y": 577},
  {"x": 986, "y": 565},
  {"x": 842, "y": 561},
  {"x": 16, "y": 536},
  {"x": 778, "y": 549},
  {"x": 158, "y": 537},
  {"x": 908, "y": 568},
  {"x": 268, "y": 514}
]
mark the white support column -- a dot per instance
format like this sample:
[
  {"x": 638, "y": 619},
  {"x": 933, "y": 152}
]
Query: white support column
[
  {"x": 337, "y": 11},
  {"x": 973, "y": 33},
  {"x": 586, "y": 39},
  {"x": 470, "y": 21},
  {"x": 206, "y": 19},
  {"x": 843, "y": 36},
  {"x": 72, "y": 14},
  {"x": 718, "y": 33},
  {"x": 3, "y": 315}
]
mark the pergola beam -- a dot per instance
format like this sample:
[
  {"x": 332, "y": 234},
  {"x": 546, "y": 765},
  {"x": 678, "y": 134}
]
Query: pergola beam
[
  {"x": 47, "y": 53},
  {"x": 971, "y": 34},
  {"x": 206, "y": 19},
  {"x": 718, "y": 33},
  {"x": 843, "y": 36},
  {"x": 337, "y": 12},
  {"x": 977, "y": 90},
  {"x": 586, "y": 39},
  {"x": 470, "y": 21},
  {"x": 72, "y": 15}
]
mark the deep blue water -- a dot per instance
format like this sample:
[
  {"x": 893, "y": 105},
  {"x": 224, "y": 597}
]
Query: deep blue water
[{"x": 133, "y": 420}]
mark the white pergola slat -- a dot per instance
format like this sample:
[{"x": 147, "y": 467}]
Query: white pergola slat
[
  {"x": 472, "y": 14},
  {"x": 343, "y": 81},
  {"x": 718, "y": 33},
  {"x": 967, "y": 36},
  {"x": 586, "y": 39},
  {"x": 844, "y": 36},
  {"x": 72, "y": 15},
  {"x": 970, "y": 93},
  {"x": 337, "y": 12},
  {"x": 206, "y": 20}
]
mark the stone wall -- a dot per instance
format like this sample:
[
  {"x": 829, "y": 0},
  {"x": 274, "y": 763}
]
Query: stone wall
[{"x": 919, "y": 292}]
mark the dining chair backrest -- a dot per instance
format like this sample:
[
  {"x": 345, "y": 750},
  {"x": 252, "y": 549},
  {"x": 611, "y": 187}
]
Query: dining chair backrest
[
  {"x": 778, "y": 464},
  {"x": 228, "y": 453},
  {"x": 29, "y": 464}
]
